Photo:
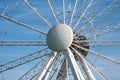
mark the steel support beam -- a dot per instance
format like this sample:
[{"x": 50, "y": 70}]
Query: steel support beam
[
  {"x": 47, "y": 67},
  {"x": 73, "y": 65},
  {"x": 22, "y": 43},
  {"x": 84, "y": 65}
]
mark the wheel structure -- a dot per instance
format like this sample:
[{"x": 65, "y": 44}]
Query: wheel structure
[{"x": 59, "y": 39}]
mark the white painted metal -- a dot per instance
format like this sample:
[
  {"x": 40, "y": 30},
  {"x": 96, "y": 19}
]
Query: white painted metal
[
  {"x": 22, "y": 43},
  {"x": 73, "y": 13},
  {"x": 92, "y": 66},
  {"x": 38, "y": 13},
  {"x": 22, "y": 24},
  {"x": 46, "y": 68},
  {"x": 53, "y": 11},
  {"x": 23, "y": 60},
  {"x": 85, "y": 67},
  {"x": 77, "y": 23},
  {"x": 99, "y": 55},
  {"x": 61, "y": 61},
  {"x": 64, "y": 11},
  {"x": 73, "y": 65},
  {"x": 61, "y": 40},
  {"x": 60, "y": 37},
  {"x": 48, "y": 73}
]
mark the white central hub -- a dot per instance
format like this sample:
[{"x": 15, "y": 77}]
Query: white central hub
[{"x": 59, "y": 37}]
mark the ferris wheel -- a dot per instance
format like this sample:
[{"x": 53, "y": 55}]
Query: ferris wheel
[{"x": 59, "y": 39}]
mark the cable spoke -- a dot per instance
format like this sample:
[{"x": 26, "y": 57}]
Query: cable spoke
[
  {"x": 99, "y": 55},
  {"x": 33, "y": 72},
  {"x": 106, "y": 27},
  {"x": 100, "y": 42},
  {"x": 77, "y": 23},
  {"x": 73, "y": 13},
  {"x": 68, "y": 11},
  {"x": 38, "y": 13},
  {"x": 54, "y": 11},
  {"x": 22, "y": 43},
  {"x": 102, "y": 20},
  {"x": 91, "y": 18},
  {"x": 11, "y": 6},
  {"x": 106, "y": 8},
  {"x": 113, "y": 69},
  {"x": 23, "y": 60},
  {"x": 64, "y": 11},
  {"x": 90, "y": 64},
  {"x": 22, "y": 24}
]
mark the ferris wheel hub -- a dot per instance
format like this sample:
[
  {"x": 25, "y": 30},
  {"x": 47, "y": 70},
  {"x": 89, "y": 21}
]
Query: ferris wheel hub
[{"x": 59, "y": 37}]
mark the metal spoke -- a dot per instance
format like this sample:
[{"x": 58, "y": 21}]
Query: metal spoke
[
  {"x": 91, "y": 65},
  {"x": 73, "y": 13},
  {"x": 85, "y": 67},
  {"x": 42, "y": 74},
  {"x": 102, "y": 20},
  {"x": 113, "y": 69},
  {"x": 22, "y": 43},
  {"x": 68, "y": 11},
  {"x": 64, "y": 11},
  {"x": 77, "y": 23},
  {"x": 106, "y": 8},
  {"x": 23, "y": 60},
  {"x": 57, "y": 71},
  {"x": 54, "y": 11},
  {"x": 100, "y": 42},
  {"x": 63, "y": 73},
  {"x": 38, "y": 13},
  {"x": 106, "y": 28},
  {"x": 73, "y": 65},
  {"x": 91, "y": 18},
  {"x": 11, "y": 6},
  {"x": 32, "y": 73},
  {"x": 99, "y": 55},
  {"x": 23, "y": 25}
]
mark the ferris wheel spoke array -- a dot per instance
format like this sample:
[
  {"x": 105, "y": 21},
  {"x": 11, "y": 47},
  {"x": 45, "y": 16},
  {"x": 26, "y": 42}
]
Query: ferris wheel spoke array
[
  {"x": 22, "y": 24},
  {"x": 33, "y": 72},
  {"x": 23, "y": 60},
  {"x": 90, "y": 21},
  {"x": 22, "y": 43},
  {"x": 56, "y": 70},
  {"x": 88, "y": 63},
  {"x": 103, "y": 19},
  {"x": 105, "y": 9},
  {"x": 81, "y": 16},
  {"x": 55, "y": 11},
  {"x": 38, "y": 13},
  {"x": 85, "y": 67},
  {"x": 102, "y": 16},
  {"x": 99, "y": 55},
  {"x": 108, "y": 27}
]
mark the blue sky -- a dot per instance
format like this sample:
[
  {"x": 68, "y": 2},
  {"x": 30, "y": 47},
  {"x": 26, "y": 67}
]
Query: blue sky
[{"x": 20, "y": 11}]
